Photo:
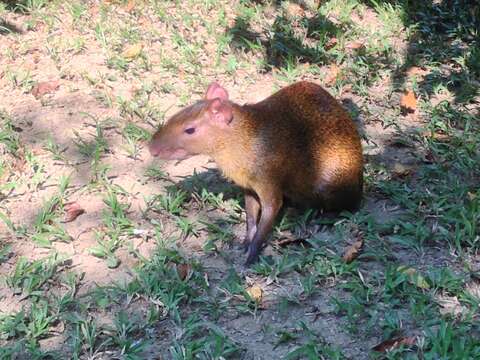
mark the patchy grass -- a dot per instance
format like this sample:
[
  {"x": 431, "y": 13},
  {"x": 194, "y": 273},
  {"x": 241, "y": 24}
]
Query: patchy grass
[{"x": 152, "y": 268}]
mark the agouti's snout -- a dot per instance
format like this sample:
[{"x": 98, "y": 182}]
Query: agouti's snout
[
  {"x": 154, "y": 149},
  {"x": 167, "y": 146}
]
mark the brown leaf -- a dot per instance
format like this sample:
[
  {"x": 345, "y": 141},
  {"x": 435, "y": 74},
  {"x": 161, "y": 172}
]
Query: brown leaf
[
  {"x": 255, "y": 292},
  {"x": 416, "y": 71},
  {"x": 355, "y": 45},
  {"x": 414, "y": 277},
  {"x": 353, "y": 250},
  {"x": 394, "y": 343},
  {"x": 45, "y": 87},
  {"x": 132, "y": 51},
  {"x": 400, "y": 170},
  {"x": 287, "y": 240},
  {"x": 332, "y": 75},
  {"x": 295, "y": 10},
  {"x": 437, "y": 136},
  {"x": 473, "y": 289},
  {"x": 331, "y": 43},
  {"x": 130, "y": 6},
  {"x": 408, "y": 101},
  {"x": 441, "y": 137},
  {"x": 450, "y": 305},
  {"x": 183, "y": 270},
  {"x": 72, "y": 211}
]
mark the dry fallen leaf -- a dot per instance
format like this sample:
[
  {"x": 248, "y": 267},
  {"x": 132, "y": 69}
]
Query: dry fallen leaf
[
  {"x": 436, "y": 136},
  {"x": 45, "y": 87},
  {"x": 183, "y": 270},
  {"x": 287, "y": 240},
  {"x": 414, "y": 277},
  {"x": 353, "y": 250},
  {"x": 441, "y": 137},
  {"x": 355, "y": 45},
  {"x": 331, "y": 43},
  {"x": 400, "y": 170},
  {"x": 450, "y": 305},
  {"x": 394, "y": 343},
  {"x": 415, "y": 70},
  {"x": 72, "y": 211},
  {"x": 408, "y": 101},
  {"x": 255, "y": 292},
  {"x": 132, "y": 51},
  {"x": 295, "y": 10},
  {"x": 130, "y": 6},
  {"x": 332, "y": 75},
  {"x": 473, "y": 290}
]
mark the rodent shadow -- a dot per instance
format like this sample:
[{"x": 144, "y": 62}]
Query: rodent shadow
[
  {"x": 7, "y": 27},
  {"x": 349, "y": 105},
  {"x": 210, "y": 180},
  {"x": 213, "y": 181}
]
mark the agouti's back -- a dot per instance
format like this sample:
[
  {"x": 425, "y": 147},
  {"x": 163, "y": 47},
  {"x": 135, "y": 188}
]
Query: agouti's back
[{"x": 305, "y": 142}]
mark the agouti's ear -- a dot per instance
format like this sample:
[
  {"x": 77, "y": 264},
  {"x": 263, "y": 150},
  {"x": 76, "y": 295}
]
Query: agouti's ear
[
  {"x": 220, "y": 112},
  {"x": 215, "y": 91}
]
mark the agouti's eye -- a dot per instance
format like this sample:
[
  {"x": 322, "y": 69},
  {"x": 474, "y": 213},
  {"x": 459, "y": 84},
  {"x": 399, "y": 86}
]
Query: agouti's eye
[{"x": 190, "y": 131}]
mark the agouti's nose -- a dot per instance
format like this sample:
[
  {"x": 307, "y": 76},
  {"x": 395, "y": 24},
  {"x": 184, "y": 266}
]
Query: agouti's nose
[{"x": 154, "y": 150}]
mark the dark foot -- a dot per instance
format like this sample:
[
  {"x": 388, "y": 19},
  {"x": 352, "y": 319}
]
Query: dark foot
[
  {"x": 253, "y": 252},
  {"x": 245, "y": 244}
]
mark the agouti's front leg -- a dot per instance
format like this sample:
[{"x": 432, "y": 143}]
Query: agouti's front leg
[
  {"x": 252, "y": 210},
  {"x": 270, "y": 204}
]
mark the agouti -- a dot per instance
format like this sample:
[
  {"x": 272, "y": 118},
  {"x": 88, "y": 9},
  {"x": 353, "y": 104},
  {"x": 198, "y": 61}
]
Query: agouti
[{"x": 298, "y": 144}]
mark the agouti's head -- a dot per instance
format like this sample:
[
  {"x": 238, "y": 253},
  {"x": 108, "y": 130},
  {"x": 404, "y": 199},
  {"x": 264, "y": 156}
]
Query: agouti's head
[{"x": 195, "y": 129}]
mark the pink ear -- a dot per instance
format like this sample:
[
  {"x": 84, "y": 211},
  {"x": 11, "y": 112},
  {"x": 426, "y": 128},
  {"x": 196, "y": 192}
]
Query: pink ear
[
  {"x": 221, "y": 112},
  {"x": 215, "y": 91}
]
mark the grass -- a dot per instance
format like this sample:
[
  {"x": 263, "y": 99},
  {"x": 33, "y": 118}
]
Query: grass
[{"x": 152, "y": 268}]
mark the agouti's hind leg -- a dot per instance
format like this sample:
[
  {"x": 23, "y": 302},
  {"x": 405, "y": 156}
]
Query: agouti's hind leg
[
  {"x": 270, "y": 204},
  {"x": 252, "y": 209}
]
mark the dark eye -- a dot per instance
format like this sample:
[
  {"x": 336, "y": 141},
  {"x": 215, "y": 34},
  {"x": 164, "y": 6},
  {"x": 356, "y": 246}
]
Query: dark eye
[{"x": 190, "y": 131}]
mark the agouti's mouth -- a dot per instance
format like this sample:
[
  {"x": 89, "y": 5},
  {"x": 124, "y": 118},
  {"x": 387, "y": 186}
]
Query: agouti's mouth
[
  {"x": 178, "y": 154},
  {"x": 168, "y": 154}
]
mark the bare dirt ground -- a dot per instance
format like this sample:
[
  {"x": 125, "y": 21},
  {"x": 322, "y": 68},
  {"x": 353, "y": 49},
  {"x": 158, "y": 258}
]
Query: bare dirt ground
[{"x": 110, "y": 69}]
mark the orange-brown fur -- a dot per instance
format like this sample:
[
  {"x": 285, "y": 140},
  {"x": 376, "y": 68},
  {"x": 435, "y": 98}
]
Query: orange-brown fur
[
  {"x": 267, "y": 145},
  {"x": 298, "y": 143}
]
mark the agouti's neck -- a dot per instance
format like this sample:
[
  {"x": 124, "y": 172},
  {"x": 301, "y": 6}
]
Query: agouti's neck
[
  {"x": 238, "y": 133},
  {"x": 234, "y": 152}
]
